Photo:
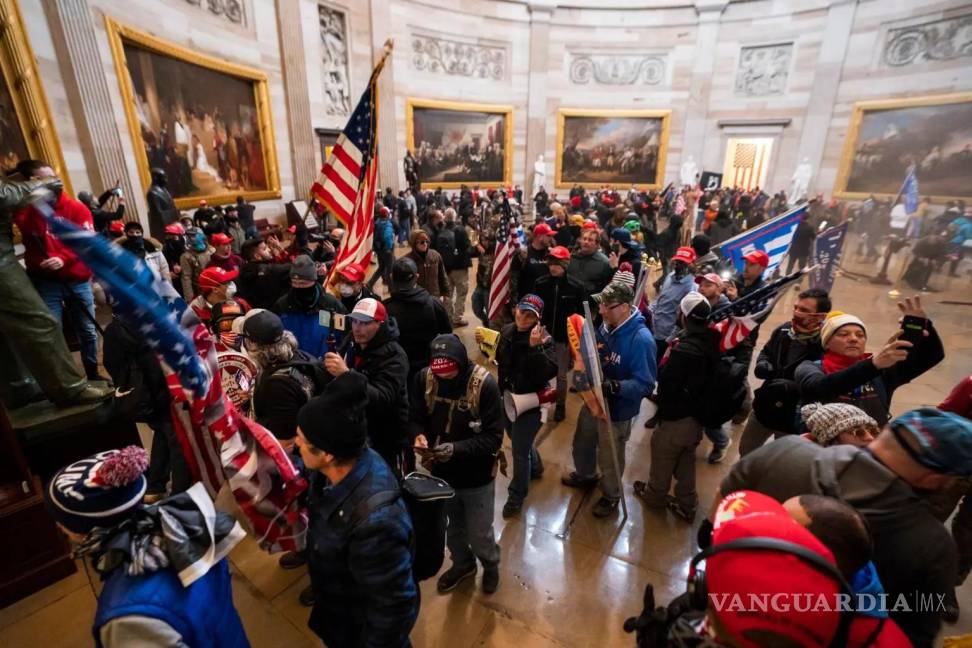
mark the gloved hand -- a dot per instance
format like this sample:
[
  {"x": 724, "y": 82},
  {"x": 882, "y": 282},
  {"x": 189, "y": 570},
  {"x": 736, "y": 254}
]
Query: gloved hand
[
  {"x": 443, "y": 452},
  {"x": 763, "y": 370},
  {"x": 611, "y": 388},
  {"x": 704, "y": 537}
]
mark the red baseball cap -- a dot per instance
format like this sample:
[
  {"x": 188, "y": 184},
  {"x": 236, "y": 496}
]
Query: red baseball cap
[
  {"x": 758, "y": 257},
  {"x": 369, "y": 310},
  {"x": 738, "y": 580},
  {"x": 214, "y": 277},
  {"x": 711, "y": 276},
  {"x": 220, "y": 239},
  {"x": 590, "y": 225},
  {"x": 175, "y": 228},
  {"x": 116, "y": 226},
  {"x": 575, "y": 201},
  {"x": 685, "y": 254},
  {"x": 558, "y": 252},
  {"x": 542, "y": 229},
  {"x": 352, "y": 272}
]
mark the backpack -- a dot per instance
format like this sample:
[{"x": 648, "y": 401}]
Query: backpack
[
  {"x": 425, "y": 497},
  {"x": 445, "y": 244},
  {"x": 724, "y": 393},
  {"x": 310, "y": 376},
  {"x": 470, "y": 401}
]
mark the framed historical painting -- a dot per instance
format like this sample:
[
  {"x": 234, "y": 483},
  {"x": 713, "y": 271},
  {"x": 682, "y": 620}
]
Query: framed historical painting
[
  {"x": 26, "y": 126},
  {"x": 460, "y": 143},
  {"x": 617, "y": 148},
  {"x": 886, "y": 137},
  {"x": 204, "y": 121}
]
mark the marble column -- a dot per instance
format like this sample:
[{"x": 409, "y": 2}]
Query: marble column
[
  {"x": 693, "y": 142},
  {"x": 826, "y": 80},
  {"x": 390, "y": 172},
  {"x": 541, "y": 11},
  {"x": 75, "y": 41},
  {"x": 296, "y": 96}
]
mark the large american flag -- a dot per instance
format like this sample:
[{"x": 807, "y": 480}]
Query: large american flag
[
  {"x": 220, "y": 444},
  {"x": 348, "y": 179},
  {"x": 507, "y": 244},
  {"x": 736, "y": 320},
  {"x": 773, "y": 237}
]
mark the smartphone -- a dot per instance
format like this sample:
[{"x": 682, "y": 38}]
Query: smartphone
[{"x": 912, "y": 329}]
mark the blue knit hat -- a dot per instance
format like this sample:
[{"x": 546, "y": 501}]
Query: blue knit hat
[
  {"x": 940, "y": 441},
  {"x": 100, "y": 491}
]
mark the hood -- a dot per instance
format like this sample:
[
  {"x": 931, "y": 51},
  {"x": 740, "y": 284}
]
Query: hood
[
  {"x": 450, "y": 346},
  {"x": 856, "y": 476},
  {"x": 633, "y": 323},
  {"x": 415, "y": 294},
  {"x": 387, "y": 332}
]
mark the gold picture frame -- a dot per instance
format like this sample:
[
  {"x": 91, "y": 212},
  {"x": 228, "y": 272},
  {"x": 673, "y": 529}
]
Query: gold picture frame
[
  {"x": 120, "y": 35},
  {"x": 859, "y": 177},
  {"x": 454, "y": 106},
  {"x": 564, "y": 114},
  {"x": 23, "y": 83}
]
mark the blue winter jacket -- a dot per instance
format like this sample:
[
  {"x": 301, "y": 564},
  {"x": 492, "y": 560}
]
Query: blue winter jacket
[
  {"x": 202, "y": 614},
  {"x": 384, "y": 234},
  {"x": 628, "y": 355},
  {"x": 664, "y": 310},
  {"x": 313, "y": 324},
  {"x": 361, "y": 572}
]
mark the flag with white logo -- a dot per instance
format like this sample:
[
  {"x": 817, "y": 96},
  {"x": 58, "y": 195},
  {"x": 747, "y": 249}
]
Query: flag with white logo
[{"x": 773, "y": 237}]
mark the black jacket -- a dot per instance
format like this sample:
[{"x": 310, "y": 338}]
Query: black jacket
[
  {"x": 864, "y": 385},
  {"x": 385, "y": 365},
  {"x": 682, "y": 378},
  {"x": 781, "y": 355},
  {"x": 475, "y": 441},
  {"x": 420, "y": 317},
  {"x": 365, "y": 293},
  {"x": 802, "y": 240},
  {"x": 562, "y": 297},
  {"x": 262, "y": 283},
  {"x": 162, "y": 210},
  {"x": 244, "y": 211},
  {"x": 530, "y": 269},
  {"x": 281, "y": 390},
  {"x": 133, "y": 365},
  {"x": 523, "y": 369},
  {"x": 463, "y": 258}
]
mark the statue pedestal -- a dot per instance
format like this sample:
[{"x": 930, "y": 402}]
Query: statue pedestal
[{"x": 35, "y": 442}]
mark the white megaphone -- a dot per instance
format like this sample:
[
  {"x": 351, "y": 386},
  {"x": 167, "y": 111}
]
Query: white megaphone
[{"x": 517, "y": 404}]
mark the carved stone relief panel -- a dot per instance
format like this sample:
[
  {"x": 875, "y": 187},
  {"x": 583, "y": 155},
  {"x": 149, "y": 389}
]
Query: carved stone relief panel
[
  {"x": 439, "y": 55},
  {"x": 763, "y": 69},
  {"x": 939, "y": 40},
  {"x": 231, "y": 10},
  {"x": 334, "y": 59},
  {"x": 618, "y": 69}
]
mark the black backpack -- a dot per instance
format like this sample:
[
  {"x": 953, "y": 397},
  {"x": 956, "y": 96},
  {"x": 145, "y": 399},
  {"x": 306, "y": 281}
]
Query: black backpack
[
  {"x": 445, "y": 245},
  {"x": 425, "y": 497},
  {"x": 724, "y": 393}
]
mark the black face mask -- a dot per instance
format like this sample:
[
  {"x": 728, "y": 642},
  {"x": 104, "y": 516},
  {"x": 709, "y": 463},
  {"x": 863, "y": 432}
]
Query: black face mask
[
  {"x": 135, "y": 243},
  {"x": 176, "y": 245},
  {"x": 305, "y": 296}
]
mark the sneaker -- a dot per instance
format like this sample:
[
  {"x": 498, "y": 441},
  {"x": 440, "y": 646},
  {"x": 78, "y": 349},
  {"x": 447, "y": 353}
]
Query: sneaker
[
  {"x": 490, "y": 579},
  {"x": 680, "y": 512},
  {"x": 605, "y": 507},
  {"x": 510, "y": 509},
  {"x": 450, "y": 580},
  {"x": 292, "y": 560},
  {"x": 306, "y": 597},
  {"x": 560, "y": 413},
  {"x": 576, "y": 481},
  {"x": 719, "y": 453},
  {"x": 88, "y": 395}
]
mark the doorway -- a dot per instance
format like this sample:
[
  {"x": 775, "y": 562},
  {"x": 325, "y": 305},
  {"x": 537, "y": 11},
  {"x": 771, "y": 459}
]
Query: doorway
[{"x": 747, "y": 162}]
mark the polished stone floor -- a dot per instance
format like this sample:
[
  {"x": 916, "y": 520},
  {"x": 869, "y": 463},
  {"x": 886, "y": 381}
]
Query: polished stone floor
[{"x": 560, "y": 586}]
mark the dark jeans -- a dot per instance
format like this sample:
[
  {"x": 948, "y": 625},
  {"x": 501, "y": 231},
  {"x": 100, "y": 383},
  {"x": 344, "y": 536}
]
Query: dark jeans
[
  {"x": 718, "y": 436},
  {"x": 526, "y": 459},
  {"x": 404, "y": 229},
  {"x": 480, "y": 297},
  {"x": 470, "y": 531},
  {"x": 166, "y": 459},
  {"x": 79, "y": 299},
  {"x": 385, "y": 260}
]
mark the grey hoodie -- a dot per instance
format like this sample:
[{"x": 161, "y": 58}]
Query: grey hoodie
[{"x": 912, "y": 550}]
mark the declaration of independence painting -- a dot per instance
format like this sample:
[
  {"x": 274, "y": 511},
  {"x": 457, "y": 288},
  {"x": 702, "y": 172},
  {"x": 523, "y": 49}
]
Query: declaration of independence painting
[
  {"x": 205, "y": 122},
  {"x": 460, "y": 143},
  {"x": 611, "y": 147},
  {"x": 886, "y": 137}
]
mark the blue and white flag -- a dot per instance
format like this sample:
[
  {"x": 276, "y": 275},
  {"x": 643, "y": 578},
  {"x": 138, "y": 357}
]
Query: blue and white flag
[
  {"x": 772, "y": 237},
  {"x": 826, "y": 257},
  {"x": 151, "y": 305},
  {"x": 910, "y": 191}
]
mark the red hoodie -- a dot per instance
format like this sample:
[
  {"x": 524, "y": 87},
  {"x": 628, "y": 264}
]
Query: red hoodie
[{"x": 40, "y": 244}]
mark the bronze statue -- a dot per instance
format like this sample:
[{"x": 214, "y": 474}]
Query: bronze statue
[{"x": 162, "y": 210}]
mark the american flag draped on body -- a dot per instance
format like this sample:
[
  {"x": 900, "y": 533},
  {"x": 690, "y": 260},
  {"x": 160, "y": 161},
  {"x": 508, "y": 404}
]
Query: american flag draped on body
[
  {"x": 220, "y": 444},
  {"x": 735, "y": 321},
  {"x": 507, "y": 244},
  {"x": 349, "y": 177}
]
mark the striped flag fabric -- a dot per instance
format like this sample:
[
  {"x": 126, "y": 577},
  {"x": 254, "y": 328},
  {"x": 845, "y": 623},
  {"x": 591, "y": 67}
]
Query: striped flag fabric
[
  {"x": 220, "y": 444},
  {"x": 348, "y": 179},
  {"x": 736, "y": 320},
  {"x": 910, "y": 191},
  {"x": 773, "y": 237},
  {"x": 507, "y": 243}
]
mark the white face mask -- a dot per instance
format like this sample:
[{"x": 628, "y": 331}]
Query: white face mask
[
  {"x": 230, "y": 289},
  {"x": 345, "y": 290}
]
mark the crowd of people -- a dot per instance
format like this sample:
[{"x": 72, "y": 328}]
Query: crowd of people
[{"x": 363, "y": 390}]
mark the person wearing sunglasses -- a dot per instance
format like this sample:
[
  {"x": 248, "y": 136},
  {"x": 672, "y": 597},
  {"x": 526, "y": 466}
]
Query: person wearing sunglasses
[{"x": 775, "y": 401}]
